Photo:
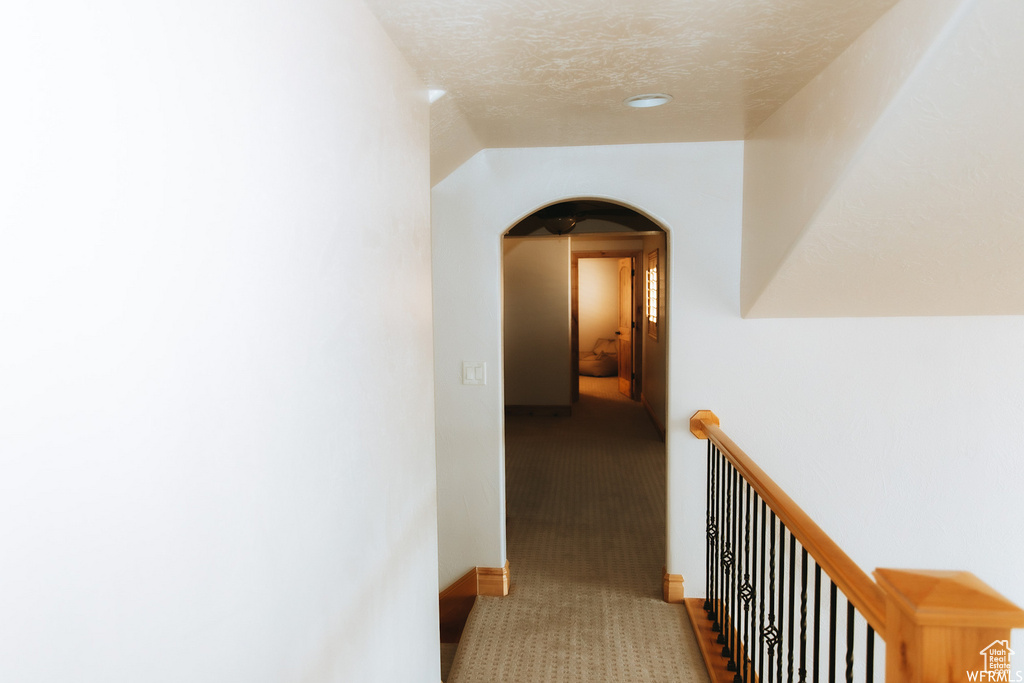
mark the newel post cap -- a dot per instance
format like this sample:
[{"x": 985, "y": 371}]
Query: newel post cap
[
  {"x": 948, "y": 598},
  {"x": 696, "y": 428}
]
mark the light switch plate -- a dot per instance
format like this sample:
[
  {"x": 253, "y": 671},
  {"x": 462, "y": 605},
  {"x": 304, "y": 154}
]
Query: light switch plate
[{"x": 474, "y": 372}]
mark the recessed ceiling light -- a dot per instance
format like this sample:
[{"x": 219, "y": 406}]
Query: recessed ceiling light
[
  {"x": 434, "y": 94},
  {"x": 654, "y": 99}
]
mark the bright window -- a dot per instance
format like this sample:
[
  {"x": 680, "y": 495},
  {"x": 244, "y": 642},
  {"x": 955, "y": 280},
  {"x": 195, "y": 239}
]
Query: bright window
[{"x": 652, "y": 294}]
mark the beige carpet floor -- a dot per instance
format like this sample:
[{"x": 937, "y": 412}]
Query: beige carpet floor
[{"x": 586, "y": 546}]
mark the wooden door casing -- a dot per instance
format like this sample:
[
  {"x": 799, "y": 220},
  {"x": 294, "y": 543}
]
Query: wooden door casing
[{"x": 624, "y": 333}]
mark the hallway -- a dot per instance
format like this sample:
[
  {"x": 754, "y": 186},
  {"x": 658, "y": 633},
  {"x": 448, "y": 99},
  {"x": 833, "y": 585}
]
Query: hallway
[{"x": 586, "y": 546}]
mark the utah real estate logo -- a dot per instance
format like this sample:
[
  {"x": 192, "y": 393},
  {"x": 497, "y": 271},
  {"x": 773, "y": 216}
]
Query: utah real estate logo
[{"x": 997, "y": 665}]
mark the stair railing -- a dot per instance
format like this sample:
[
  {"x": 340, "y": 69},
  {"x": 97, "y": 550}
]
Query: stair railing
[{"x": 771, "y": 570}]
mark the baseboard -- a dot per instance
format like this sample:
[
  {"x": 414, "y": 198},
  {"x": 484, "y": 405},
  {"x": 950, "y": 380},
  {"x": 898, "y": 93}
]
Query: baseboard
[
  {"x": 454, "y": 605},
  {"x": 672, "y": 588},
  {"x": 492, "y": 581},
  {"x": 464, "y": 587},
  {"x": 540, "y": 411},
  {"x": 456, "y": 601},
  {"x": 650, "y": 412}
]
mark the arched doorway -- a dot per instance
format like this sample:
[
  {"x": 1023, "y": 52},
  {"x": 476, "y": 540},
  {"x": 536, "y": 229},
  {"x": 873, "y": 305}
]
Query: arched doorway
[
  {"x": 585, "y": 485},
  {"x": 542, "y": 341}
]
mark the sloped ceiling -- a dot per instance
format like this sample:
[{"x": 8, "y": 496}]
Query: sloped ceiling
[
  {"x": 926, "y": 215},
  {"x": 884, "y": 167},
  {"x": 532, "y": 73}
]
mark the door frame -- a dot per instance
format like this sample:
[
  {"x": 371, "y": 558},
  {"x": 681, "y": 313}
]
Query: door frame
[{"x": 636, "y": 309}]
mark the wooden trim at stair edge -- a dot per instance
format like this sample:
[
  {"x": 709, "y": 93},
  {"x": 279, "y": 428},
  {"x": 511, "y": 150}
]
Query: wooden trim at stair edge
[
  {"x": 706, "y": 639},
  {"x": 454, "y": 604},
  {"x": 492, "y": 581},
  {"x": 463, "y": 587},
  {"x": 672, "y": 588},
  {"x": 650, "y": 412}
]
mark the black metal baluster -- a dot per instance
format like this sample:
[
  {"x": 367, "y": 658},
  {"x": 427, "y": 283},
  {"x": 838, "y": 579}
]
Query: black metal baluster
[
  {"x": 803, "y": 616},
  {"x": 736, "y": 567},
  {"x": 760, "y": 595},
  {"x": 723, "y": 634},
  {"x": 738, "y": 582},
  {"x": 716, "y": 482},
  {"x": 714, "y": 538},
  {"x": 724, "y": 557},
  {"x": 869, "y": 656},
  {"x": 746, "y": 590},
  {"x": 709, "y": 533},
  {"x": 728, "y": 565},
  {"x": 792, "y": 603},
  {"x": 817, "y": 622},
  {"x": 850, "y": 613},
  {"x": 752, "y": 632},
  {"x": 738, "y": 645},
  {"x": 782, "y": 594},
  {"x": 793, "y": 611},
  {"x": 722, "y": 526},
  {"x": 832, "y": 635},
  {"x": 771, "y": 633}
]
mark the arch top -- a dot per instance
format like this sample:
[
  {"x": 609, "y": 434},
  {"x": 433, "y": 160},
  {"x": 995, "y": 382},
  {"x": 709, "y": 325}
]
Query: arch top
[{"x": 583, "y": 216}]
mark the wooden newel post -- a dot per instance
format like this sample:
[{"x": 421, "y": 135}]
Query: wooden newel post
[{"x": 945, "y": 626}]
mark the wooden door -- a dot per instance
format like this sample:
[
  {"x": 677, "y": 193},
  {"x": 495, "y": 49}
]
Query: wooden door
[{"x": 624, "y": 332}]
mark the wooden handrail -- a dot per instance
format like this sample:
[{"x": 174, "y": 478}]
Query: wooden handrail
[
  {"x": 938, "y": 626},
  {"x": 858, "y": 587}
]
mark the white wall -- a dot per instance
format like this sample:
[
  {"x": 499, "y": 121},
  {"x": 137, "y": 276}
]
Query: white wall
[
  {"x": 889, "y": 185},
  {"x": 598, "y": 300},
  {"x": 696, "y": 185},
  {"x": 537, "y": 366},
  {"x": 796, "y": 157},
  {"x": 216, "y": 449},
  {"x": 901, "y": 436},
  {"x": 452, "y": 140}
]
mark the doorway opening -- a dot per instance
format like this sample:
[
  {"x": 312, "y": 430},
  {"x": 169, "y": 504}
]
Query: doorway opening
[
  {"x": 585, "y": 492},
  {"x": 579, "y": 289},
  {"x": 607, "y": 290}
]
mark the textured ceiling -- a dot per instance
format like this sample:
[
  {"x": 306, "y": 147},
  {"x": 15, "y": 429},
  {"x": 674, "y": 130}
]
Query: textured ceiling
[
  {"x": 890, "y": 177},
  {"x": 528, "y": 73}
]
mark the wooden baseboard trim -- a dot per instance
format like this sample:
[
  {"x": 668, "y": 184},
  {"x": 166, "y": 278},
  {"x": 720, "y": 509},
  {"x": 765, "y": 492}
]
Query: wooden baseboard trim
[
  {"x": 706, "y": 638},
  {"x": 463, "y": 587},
  {"x": 456, "y": 601},
  {"x": 650, "y": 413},
  {"x": 672, "y": 588},
  {"x": 540, "y": 411},
  {"x": 493, "y": 581},
  {"x": 454, "y": 605}
]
